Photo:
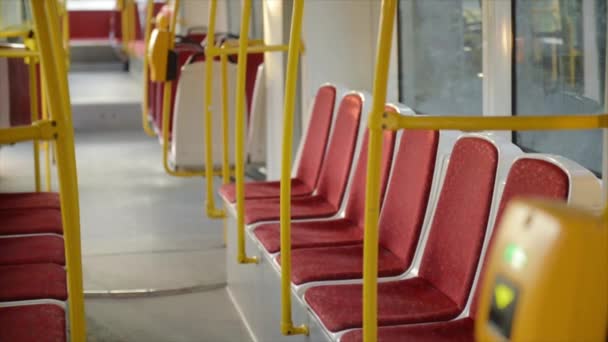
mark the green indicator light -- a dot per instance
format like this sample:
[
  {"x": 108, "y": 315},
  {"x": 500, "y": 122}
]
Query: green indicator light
[{"x": 515, "y": 256}]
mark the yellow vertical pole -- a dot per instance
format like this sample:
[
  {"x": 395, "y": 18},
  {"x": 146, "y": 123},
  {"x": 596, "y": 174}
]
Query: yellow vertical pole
[
  {"x": 605, "y": 135},
  {"x": 372, "y": 197},
  {"x": 225, "y": 122},
  {"x": 293, "y": 58},
  {"x": 145, "y": 108},
  {"x": 211, "y": 209},
  {"x": 242, "y": 257},
  {"x": 34, "y": 116},
  {"x": 66, "y": 31},
  {"x": 46, "y": 145},
  {"x": 53, "y": 67},
  {"x": 226, "y": 133},
  {"x": 167, "y": 93}
]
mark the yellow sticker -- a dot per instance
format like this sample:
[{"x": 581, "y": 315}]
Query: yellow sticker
[{"x": 504, "y": 296}]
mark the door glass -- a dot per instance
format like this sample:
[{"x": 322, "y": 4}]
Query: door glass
[
  {"x": 559, "y": 66},
  {"x": 440, "y": 56}
]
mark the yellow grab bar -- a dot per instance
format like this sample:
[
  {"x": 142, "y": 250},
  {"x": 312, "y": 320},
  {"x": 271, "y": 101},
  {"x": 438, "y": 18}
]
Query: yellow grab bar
[
  {"x": 225, "y": 122},
  {"x": 17, "y": 51},
  {"x": 34, "y": 115},
  {"x": 52, "y": 61},
  {"x": 394, "y": 121},
  {"x": 46, "y": 145},
  {"x": 239, "y": 109},
  {"x": 145, "y": 108},
  {"x": 167, "y": 87},
  {"x": 212, "y": 210},
  {"x": 372, "y": 197},
  {"x": 17, "y": 31},
  {"x": 287, "y": 326},
  {"x": 38, "y": 130},
  {"x": 211, "y": 51}
]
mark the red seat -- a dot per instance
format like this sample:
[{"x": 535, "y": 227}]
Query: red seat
[
  {"x": 527, "y": 177},
  {"x": 339, "y": 232},
  {"x": 400, "y": 221},
  {"x": 461, "y": 330},
  {"x": 36, "y": 281},
  {"x": 313, "y": 151},
  {"x": 30, "y": 221},
  {"x": 333, "y": 176},
  {"x": 33, "y": 323},
  {"x": 30, "y": 200},
  {"x": 311, "y": 234},
  {"x": 451, "y": 255},
  {"x": 33, "y": 249}
]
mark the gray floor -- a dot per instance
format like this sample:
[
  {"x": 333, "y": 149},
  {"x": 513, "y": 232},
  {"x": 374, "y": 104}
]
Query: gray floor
[{"x": 141, "y": 229}]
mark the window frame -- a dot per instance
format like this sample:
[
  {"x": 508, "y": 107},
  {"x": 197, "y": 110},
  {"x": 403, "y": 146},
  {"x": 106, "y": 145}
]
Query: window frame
[{"x": 498, "y": 28}]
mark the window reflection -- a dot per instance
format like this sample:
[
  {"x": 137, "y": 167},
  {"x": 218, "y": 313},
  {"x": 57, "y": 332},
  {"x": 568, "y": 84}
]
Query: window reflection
[
  {"x": 441, "y": 56},
  {"x": 559, "y": 69}
]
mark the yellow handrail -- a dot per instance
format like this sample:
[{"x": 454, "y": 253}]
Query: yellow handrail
[
  {"x": 167, "y": 87},
  {"x": 52, "y": 56},
  {"x": 211, "y": 51},
  {"x": 145, "y": 108},
  {"x": 167, "y": 110},
  {"x": 18, "y": 31},
  {"x": 287, "y": 326},
  {"x": 38, "y": 130},
  {"x": 34, "y": 115},
  {"x": 17, "y": 52},
  {"x": 372, "y": 198},
  {"x": 239, "y": 109},
  {"x": 211, "y": 209},
  {"x": 46, "y": 145},
  {"x": 392, "y": 121}
]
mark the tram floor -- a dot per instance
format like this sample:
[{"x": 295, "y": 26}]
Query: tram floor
[{"x": 141, "y": 230}]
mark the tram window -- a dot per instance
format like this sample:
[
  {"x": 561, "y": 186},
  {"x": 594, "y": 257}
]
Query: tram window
[
  {"x": 257, "y": 21},
  {"x": 558, "y": 68},
  {"x": 12, "y": 13},
  {"x": 440, "y": 56}
]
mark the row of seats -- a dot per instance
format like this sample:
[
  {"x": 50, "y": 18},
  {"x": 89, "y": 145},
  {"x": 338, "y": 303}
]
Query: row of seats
[
  {"x": 443, "y": 194},
  {"x": 33, "y": 286}
]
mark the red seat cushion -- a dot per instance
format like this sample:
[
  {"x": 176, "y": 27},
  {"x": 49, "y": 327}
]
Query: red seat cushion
[
  {"x": 310, "y": 234},
  {"x": 335, "y": 232},
  {"x": 261, "y": 190},
  {"x": 36, "y": 281},
  {"x": 29, "y": 200},
  {"x": 33, "y": 323},
  {"x": 32, "y": 250},
  {"x": 30, "y": 221},
  {"x": 399, "y": 302},
  {"x": 333, "y": 175},
  {"x": 337, "y": 263},
  {"x": 301, "y": 208},
  {"x": 317, "y": 136},
  {"x": 461, "y": 330},
  {"x": 311, "y": 160},
  {"x": 450, "y": 258},
  {"x": 527, "y": 177}
]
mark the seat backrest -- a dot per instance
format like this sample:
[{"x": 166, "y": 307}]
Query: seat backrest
[
  {"x": 313, "y": 149},
  {"x": 338, "y": 160},
  {"x": 529, "y": 177},
  {"x": 461, "y": 218},
  {"x": 355, "y": 207},
  {"x": 408, "y": 193}
]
